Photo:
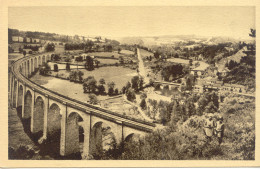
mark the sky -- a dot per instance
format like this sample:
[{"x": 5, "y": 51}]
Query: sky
[{"x": 135, "y": 21}]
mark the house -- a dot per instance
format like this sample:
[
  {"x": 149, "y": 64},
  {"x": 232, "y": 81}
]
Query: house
[
  {"x": 20, "y": 39},
  {"x": 28, "y": 40},
  {"x": 15, "y": 38},
  {"x": 234, "y": 88},
  {"x": 198, "y": 89},
  {"x": 37, "y": 40},
  {"x": 176, "y": 94},
  {"x": 198, "y": 57},
  {"x": 84, "y": 56},
  {"x": 28, "y": 51},
  {"x": 223, "y": 72},
  {"x": 200, "y": 70},
  {"x": 212, "y": 71},
  {"x": 229, "y": 49}
]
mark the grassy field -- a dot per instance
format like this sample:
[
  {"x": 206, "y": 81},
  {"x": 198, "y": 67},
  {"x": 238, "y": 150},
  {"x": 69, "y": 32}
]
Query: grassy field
[
  {"x": 108, "y": 61},
  {"x": 119, "y": 75},
  {"x": 59, "y": 49},
  {"x": 75, "y": 90},
  {"x": 127, "y": 52},
  {"x": 105, "y": 54},
  {"x": 145, "y": 53}
]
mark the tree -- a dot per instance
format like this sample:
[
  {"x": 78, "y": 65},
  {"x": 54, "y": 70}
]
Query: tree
[
  {"x": 102, "y": 81},
  {"x": 143, "y": 104},
  {"x": 141, "y": 83},
  {"x": 190, "y": 108},
  {"x": 89, "y": 84},
  {"x": 101, "y": 89},
  {"x": 24, "y": 53},
  {"x": 128, "y": 86},
  {"x": 116, "y": 91},
  {"x": 143, "y": 96},
  {"x": 97, "y": 47},
  {"x": 130, "y": 95},
  {"x": 253, "y": 33},
  {"x": 190, "y": 82},
  {"x": 50, "y": 47},
  {"x": 157, "y": 86},
  {"x": 56, "y": 57},
  {"x": 135, "y": 83},
  {"x": 215, "y": 99},
  {"x": 111, "y": 85},
  {"x": 155, "y": 108},
  {"x": 67, "y": 66},
  {"x": 123, "y": 89},
  {"x": 56, "y": 69},
  {"x": 210, "y": 108},
  {"x": 97, "y": 62},
  {"x": 119, "y": 50},
  {"x": 80, "y": 75},
  {"x": 176, "y": 113},
  {"x": 79, "y": 59},
  {"x": 44, "y": 70},
  {"x": 73, "y": 76},
  {"x": 110, "y": 91},
  {"x": 190, "y": 62},
  {"x": 89, "y": 64},
  {"x": 93, "y": 99}
]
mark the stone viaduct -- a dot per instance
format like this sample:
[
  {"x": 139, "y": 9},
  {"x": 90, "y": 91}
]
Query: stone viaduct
[{"x": 53, "y": 115}]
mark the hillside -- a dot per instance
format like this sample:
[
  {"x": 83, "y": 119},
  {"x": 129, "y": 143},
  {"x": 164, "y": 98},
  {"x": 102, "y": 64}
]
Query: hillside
[{"x": 236, "y": 57}]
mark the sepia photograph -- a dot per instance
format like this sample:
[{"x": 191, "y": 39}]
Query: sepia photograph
[{"x": 131, "y": 83}]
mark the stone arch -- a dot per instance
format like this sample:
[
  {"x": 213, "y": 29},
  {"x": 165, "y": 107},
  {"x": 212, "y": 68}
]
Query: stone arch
[
  {"x": 24, "y": 68},
  {"x": 43, "y": 59},
  {"x": 102, "y": 138},
  {"x": 48, "y": 57},
  {"x": 14, "y": 93},
  {"x": 38, "y": 116},
  {"x": 39, "y": 61},
  {"x": 27, "y": 104},
  {"x": 74, "y": 134},
  {"x": 53, "y": 119},
  {"x": 28, "y": 68},
  {"x": 20, "y": 68},
  {"x": 54, "y": 128},
  {"x": 20, "y": 96},
  {"x": 32, "y": 65},
  {"x": 35, "y": 63},
  {"x": 132, "y": 137}
]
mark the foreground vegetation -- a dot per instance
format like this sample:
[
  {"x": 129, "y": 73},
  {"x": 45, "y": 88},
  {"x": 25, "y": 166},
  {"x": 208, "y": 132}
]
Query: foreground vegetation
[{"x": 185, "y": 140}]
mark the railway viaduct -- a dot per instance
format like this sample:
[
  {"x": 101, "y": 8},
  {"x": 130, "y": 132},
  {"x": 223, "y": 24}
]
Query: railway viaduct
[{"x": 53, "y": 115}]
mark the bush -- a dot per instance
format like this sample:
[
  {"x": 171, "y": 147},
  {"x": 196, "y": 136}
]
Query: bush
[
  {"x": 56, "y": 69},
  {"x": 67, "y": 66},
  {"x": 143, "y": 104},
  {"x": 23, "y": 152},
  {"x": 93, "y": 99}
]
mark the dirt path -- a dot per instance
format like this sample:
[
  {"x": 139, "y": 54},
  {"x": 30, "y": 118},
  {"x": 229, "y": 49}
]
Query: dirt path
[{"x": 142, "y": 70}]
